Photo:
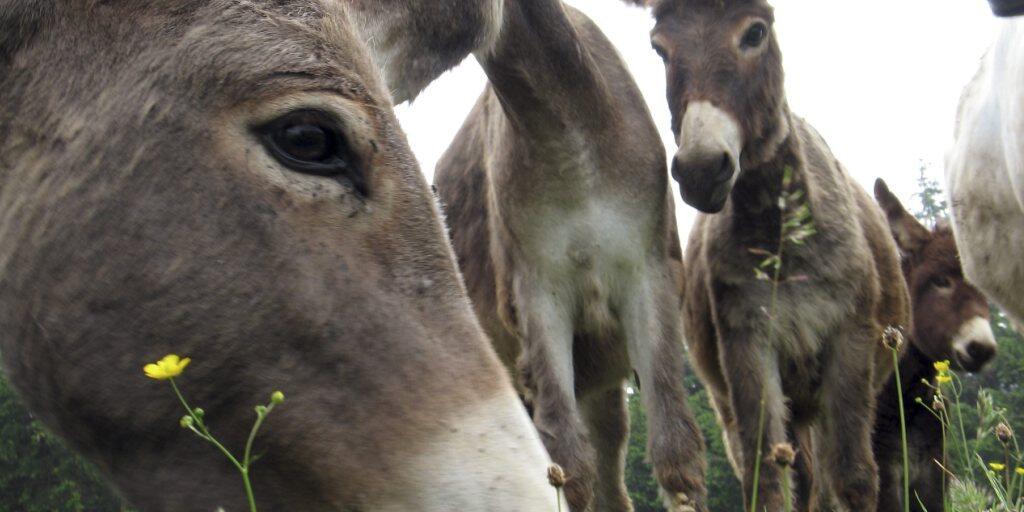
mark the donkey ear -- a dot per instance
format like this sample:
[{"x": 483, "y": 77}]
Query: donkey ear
[
  {"x": 910, "y": 234},
  {"x": 19, "y": 21}
]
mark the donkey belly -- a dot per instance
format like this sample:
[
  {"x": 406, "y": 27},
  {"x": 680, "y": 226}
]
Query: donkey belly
[{"x": 592, "y": 260}]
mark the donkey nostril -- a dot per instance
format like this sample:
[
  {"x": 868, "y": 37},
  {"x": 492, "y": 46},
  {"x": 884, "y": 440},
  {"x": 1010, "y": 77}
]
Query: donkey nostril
[
  {"x": 980, "y": 352},
  {"x": 724, "y": 168},
  {"x": 677, "y": 168}
]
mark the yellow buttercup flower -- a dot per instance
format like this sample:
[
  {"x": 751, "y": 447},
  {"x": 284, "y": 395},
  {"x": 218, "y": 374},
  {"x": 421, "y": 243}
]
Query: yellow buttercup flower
[
  {"x": 943, "y": 379},
  {"x": 941, "y": 366},
  {"x": 168, "y": 367},
  {"x": 996, "y": 466},
  {"x": 1019, "y": 471}
]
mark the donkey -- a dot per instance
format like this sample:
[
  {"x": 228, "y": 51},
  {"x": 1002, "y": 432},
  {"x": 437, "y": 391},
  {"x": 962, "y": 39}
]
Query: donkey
[
  {"x": 414, "y": 41},
  {"x": 951, "y": 322},
  {"x": 226, "y": 180},
  {"x": 1007, "y": 7},
  {"x": 811, "y": 368},
  {"x": 557, "y": 199},
  {"x": 985, "y": 172}
]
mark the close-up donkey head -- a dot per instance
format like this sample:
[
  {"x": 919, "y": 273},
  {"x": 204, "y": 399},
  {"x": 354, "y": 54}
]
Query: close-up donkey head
[
  {"x": 951, "y": 316},
  {"x": 725, "y": 92},
  {"x": 226, "y": 180},
  {"x": 215, "y": 210}
]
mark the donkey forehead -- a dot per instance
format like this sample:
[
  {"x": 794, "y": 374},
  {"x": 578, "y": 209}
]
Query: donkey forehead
[
  {"x": 939, "y": 255},
  {"x": 220, "y": 51},
  {"x": 700, "y": 10},
  {"x": 249, "y": 45}
]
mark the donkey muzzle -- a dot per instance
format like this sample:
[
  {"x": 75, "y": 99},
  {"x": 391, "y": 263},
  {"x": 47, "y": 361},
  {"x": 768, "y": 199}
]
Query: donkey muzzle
[
  {"x": 974, "y": 345},
  {"x": 705, "y": 184},
  {"x": 707, "y": 163}
]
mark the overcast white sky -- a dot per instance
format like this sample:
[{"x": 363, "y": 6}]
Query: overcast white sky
[{"x": 880, "y": 79}]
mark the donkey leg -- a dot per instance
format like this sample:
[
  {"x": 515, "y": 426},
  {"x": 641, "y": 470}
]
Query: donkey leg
[
  {"x": 848, "y": 400},
  {"x": 803, "y": 469},
  {"x": 608, "y": 423},
  {"x": 926, "y": 489},
  {"x": 730, "y": 433},
  {"x": 546, "y": 364},
  {"x": 756, "y": 391},
  {"x": 890, "y": 485},
  {"x": 675, "y": 445}
]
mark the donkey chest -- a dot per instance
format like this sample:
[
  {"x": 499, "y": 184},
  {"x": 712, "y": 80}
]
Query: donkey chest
[
  {"x": 815, "y": 295},
  {"x": 589, "y": 251},
  {"x": 795, "y": 322}
]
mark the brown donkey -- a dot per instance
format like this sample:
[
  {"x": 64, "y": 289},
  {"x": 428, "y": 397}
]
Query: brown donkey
[
  {"x": 414, "y": 41},
  {"x": 951, "y": 322},
  {"x": 557, "y": 196},
  {"x": 812, "y": 369},
  {"x": 226, "y": 180}
]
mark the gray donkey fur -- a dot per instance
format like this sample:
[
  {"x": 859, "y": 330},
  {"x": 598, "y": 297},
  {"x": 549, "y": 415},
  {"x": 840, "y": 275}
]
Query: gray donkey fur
[
  {"x": 146, "y": 208},
  {"x": 414, "y": 41},
  {"x": 814, "y": 366},
  {"x": 557, "y": 197}
]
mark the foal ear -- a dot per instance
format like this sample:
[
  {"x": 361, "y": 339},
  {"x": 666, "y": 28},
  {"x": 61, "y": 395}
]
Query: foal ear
[
  {"x": 910, "y": 234},
  {"x": 19, "y": 21}
]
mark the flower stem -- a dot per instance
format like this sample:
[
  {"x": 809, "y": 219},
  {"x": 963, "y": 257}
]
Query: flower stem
[
  {"x": 757, "y": 458},
  {"x": 248, "y": 490},
  {"x": 252, "y": 435},
  {"x": 963, "y": 432},
  {"x": 903, "y": 430},
  {"x": 1006, "y": 462},
  {"x": 247, "y": 457},
  {"x": 786, "y": 495},
  {"x": 202, "y": 427},
  {"x": 203, "y": 432},
  {"x": 945, "y": 462}
]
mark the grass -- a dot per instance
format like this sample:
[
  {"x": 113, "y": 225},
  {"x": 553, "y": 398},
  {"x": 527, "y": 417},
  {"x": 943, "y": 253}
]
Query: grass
[{"x": 977, "y": 485}]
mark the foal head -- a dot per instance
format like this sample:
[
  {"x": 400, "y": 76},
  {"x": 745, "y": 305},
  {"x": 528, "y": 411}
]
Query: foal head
[
  {"x": 951, "y": 317},
  {"x": 725, "y": 91}
]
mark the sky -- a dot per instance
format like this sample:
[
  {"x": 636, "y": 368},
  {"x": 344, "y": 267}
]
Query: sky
[{"x": 879, "y": 79}]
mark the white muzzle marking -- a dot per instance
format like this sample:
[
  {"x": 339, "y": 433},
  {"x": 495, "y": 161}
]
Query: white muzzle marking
[
  {"x": 707, "y": 130},
  {"x": 974, "y": 331},
  {"x": 491, "y": 458}
]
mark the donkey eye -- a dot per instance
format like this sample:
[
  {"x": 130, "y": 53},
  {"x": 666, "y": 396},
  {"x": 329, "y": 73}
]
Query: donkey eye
[
  {"x": 307, "y": 141},
  {"x": 941, "y": 282},
  {"x": 660, "y": 51},
  {"x": 754, "y": 35}
]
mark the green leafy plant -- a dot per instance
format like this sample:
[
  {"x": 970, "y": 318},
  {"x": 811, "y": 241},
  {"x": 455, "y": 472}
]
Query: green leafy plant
[{"x": 38, "y": 473}]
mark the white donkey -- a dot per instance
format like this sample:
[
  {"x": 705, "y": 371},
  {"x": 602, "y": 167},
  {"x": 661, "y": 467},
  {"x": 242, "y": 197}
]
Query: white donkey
[{"x": 985, "y": 170}]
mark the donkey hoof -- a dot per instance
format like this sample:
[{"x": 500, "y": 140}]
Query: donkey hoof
[{"x": 682, "y": 503}]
